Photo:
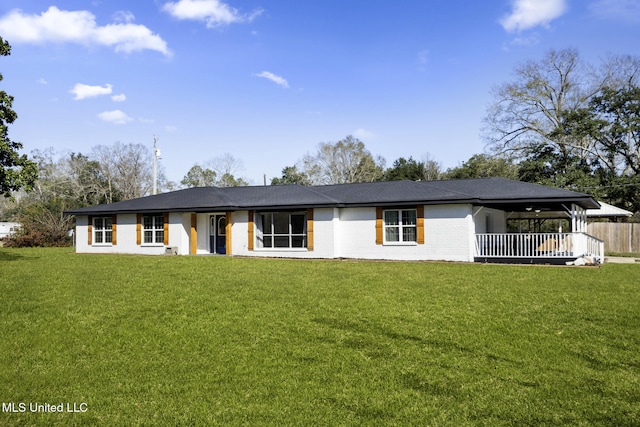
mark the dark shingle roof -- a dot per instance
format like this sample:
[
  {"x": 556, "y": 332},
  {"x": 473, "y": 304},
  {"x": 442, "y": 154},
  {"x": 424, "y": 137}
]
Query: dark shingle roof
[{"x": 494, "y": 192}]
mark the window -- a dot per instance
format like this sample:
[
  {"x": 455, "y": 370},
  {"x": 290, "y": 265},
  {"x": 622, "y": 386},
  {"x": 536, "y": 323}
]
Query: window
[
  {"x": 153, "y": 229},
  {"x": 282, "y": 230},
  {"x": 102, "y": 230},
  {"x": 400, "y": 225}
]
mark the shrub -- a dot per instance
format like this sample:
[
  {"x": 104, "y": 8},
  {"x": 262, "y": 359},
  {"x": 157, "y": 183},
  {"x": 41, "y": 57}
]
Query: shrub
[{"x": 33, "y": 238}]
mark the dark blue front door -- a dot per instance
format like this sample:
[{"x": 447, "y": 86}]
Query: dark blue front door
[{"x": 218, "y": 234}]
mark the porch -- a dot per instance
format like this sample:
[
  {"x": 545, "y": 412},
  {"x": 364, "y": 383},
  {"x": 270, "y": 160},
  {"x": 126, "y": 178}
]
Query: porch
[
  {"x": 529, "y": 240},
  {"x": 537, "y": 248}
]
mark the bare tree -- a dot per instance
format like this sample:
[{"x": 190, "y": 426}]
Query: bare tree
[
  {"x": 226, "y": 167},
  {"x": 526, "y": 111},
  {"x": 343, "y": 162},
  {"x": 65, "y": 182},
  {"x": 531, "y": 112},
  {"x": 623, "y": 71},
  {"x": 432, "y": 170},
  {"x": 128, "y": 169}
]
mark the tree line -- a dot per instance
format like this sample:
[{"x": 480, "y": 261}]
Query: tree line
[{"x": 560, "y": 122}]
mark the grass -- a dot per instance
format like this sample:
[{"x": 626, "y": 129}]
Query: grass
[
  {"x": 624, "y": 254},
  {"x": 233, "y": 341}
]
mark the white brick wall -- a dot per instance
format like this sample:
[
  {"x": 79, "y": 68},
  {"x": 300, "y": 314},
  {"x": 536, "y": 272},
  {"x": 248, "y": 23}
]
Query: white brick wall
[
  {"x": 448, "y": 235},
  {"x": 346, "y": 232},
  {"x": 449, "y": 232},
  {"x": 179, "y": 225}
]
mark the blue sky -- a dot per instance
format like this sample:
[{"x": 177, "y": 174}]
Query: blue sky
[{"x": 267, "y": 81}]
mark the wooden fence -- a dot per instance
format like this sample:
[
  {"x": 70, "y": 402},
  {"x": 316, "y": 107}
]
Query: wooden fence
[{"x": 617, "y": 236}]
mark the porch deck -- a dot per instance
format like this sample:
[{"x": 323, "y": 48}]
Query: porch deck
[{"x": 537, "y": 248}]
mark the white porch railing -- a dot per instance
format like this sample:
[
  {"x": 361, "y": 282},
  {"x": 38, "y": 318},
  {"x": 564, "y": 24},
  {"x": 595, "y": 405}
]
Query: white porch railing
[{"x": 539, "y": 245}]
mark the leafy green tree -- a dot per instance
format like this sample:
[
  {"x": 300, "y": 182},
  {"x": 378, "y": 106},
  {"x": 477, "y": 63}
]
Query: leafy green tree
[
  {"x": 546, "y": 166},
  {"x": 290, "y": 176},
  {"x": 16, "y": 170},
  {"x": 484, "y": 166},
  {"x": 611, "y": 123},
  {"x": 413, "y": 170},
  {"x": 219, "y": 173},
  {"x": 345, "y": 161},
  {"x": 404, "y": 169},
  {"x": 617, "y": 127},
  {"x": 228, "y": 180},
  {"x": 199, "y": 177},
  {"x": 571, "y": 126}
]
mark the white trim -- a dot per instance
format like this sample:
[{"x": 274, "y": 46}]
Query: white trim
[
  {"x": 400, "y": 227},
  {"x": 102, "y": 232},
  {"x": 154, "y": 229}
]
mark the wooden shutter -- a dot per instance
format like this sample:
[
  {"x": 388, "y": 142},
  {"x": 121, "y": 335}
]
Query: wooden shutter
[
  {"x": 138, "y": 229},
  {"x": 310, "y": 229},
  {"x": 251, "y": 231},
  {"x": 114, "y": 230},
  {"x": 193, "y": 243},
  {"x": 228, "y": 233},
  {"x": 420, "y": 224},
  {"x": 379, "y": 226},
  {"x": 90, "y": 230},
  {"x": 166, "y": 229}
]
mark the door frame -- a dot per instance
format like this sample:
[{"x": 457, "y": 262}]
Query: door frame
[{"x": 217, "y": 235}]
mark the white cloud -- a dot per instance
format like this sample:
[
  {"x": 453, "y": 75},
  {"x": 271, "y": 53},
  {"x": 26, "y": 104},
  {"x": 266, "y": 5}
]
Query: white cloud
[
  {"x": 530, "y": 40},
  {"x": 42, "y": 81},
  {"x": 274, "y": 78},
  {"x": 214, "y": 12},
  {"x": 119, "y": 98},
  {"x": 528, "y": 14},
  {"x": 116, "y": 117},
  {"x": 124, "y": 16},
  {"x": 79, "y": 27},
  {"x": 82, "y": 91},
  {"x": 170, "y": 128},
  {"x": 361, "y": 133},
  {"x": 619, "y": 10}
]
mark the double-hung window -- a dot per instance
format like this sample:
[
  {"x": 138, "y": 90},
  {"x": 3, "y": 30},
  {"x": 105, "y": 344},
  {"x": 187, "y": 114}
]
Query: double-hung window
[
  {"x": 282, "y": 230},
  {"x": 153, "y": 229},
  {"x": 102, "y": 229},
  {"x": 400, "y": 225}
]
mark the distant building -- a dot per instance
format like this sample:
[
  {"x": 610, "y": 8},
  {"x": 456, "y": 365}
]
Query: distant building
[{"x": 8, "y": 228}]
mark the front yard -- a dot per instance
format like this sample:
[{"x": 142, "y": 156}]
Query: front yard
[{"x": 237, "y": 341}]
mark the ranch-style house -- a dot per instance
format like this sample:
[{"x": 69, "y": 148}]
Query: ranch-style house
[{"x": 472, "y": 220}]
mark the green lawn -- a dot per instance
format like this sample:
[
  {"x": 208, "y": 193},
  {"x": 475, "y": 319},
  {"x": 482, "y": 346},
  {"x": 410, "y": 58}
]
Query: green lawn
[{"x": 236, "y": 341}]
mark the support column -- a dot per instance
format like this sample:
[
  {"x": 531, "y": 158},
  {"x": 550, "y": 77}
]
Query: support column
[{"x": 193, "y": 235}]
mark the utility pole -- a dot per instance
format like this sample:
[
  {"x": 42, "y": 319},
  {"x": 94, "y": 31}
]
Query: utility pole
[{"x": 156, "y": 156}]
